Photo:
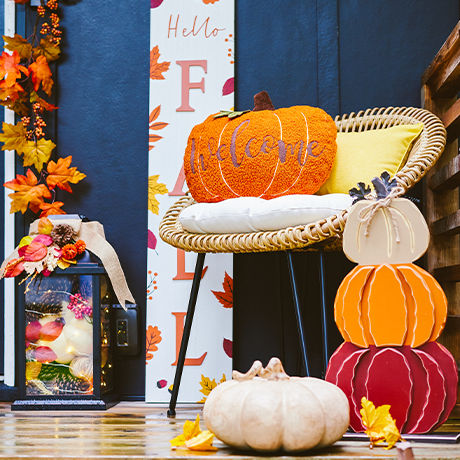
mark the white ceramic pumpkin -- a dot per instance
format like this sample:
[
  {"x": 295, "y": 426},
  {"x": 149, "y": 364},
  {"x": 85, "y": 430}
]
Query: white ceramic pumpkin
[
  {"x": 79, "y": 335},
  {"x": 395, "y": 234},
  {"x": 266, "y": 410},
  {"x": 82, "y": 367}
]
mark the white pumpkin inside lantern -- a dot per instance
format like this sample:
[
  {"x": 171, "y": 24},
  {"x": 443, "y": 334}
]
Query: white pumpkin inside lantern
[{"x": 266, "y": 410}]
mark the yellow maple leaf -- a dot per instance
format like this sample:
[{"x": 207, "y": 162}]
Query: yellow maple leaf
[
  {"x": 190, "y": 430},
  {"x": 45, "y": 226},
  {"x": 13, "y": 137},
  {"x": 155, "y": 188},
  {"x": 37, "y": 153},
  {"x": 380, "y": 425},
  {"x": 207, "y": 385},
  {"x": 33, "y": 368},
  {"x": 203, "y": 441},
  {"x": 19, "y": 44},
  {"x": 48, "y": 49}
]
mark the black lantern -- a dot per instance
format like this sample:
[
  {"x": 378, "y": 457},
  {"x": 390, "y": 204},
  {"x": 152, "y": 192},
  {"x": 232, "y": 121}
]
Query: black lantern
[{"x": 65, "y": 343}]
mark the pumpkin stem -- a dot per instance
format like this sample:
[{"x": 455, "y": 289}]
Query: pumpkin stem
[
  {"x": 250, "y": 374},
  {"x": 262, "y": 101},
  {"x": 274, "y": 370}
]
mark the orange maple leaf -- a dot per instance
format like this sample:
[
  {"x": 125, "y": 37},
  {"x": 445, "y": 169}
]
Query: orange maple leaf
[
  {"x": 51, "y": 209},
  {"x": 153, "y": 336},
  {"x": 157, "y": 68},
  {"x": 60, "y": 175},
  {"x": 10, "y": 68},
  {"x": 225, "y": 297},
  {"x": 41, "y": 73},
  {"x": 28, "y": 193}
]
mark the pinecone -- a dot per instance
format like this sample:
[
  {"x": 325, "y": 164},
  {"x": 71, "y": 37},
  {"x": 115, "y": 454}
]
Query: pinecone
[
  {"x": 68, "y": 384},
  {"x": 62, "y": 234},
  {"x": 46, "y": 297},
  {"x": 36, "y": 311}
]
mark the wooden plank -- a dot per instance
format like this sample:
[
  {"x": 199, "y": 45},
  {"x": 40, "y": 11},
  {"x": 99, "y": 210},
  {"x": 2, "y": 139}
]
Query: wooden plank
[
  {"x": 449, "y": 273},
  {"x": 449, "y": 225},
  {"x": 451, "y": 120},
  {"x": 446, "y": 178},
  {"x": 443, "y": 74}
]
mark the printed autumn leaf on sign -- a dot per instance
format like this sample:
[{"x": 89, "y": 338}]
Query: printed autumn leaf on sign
[
  {"x": 41, "y": 74},
  {"x": 157, "y": 68},
  {"x": 207, "y": 385},
  {"x": 155, "y": 126},
  {"x": 13, "y": 137},
  {"x": 37, "y": 153},
  {"x": 155, "y": 188},
  {"x": 27, "y": 193},
  {"x": 380, "y": 425},
  {"x": 60, "y": 175},
  {"x": 225, "y": 297},
  {"x": 19, "y": 44},
  {"x": 153, "y": 336}
]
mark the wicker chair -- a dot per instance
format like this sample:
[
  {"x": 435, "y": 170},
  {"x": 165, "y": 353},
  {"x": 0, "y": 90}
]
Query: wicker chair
[{"x": 323, "y": 235}]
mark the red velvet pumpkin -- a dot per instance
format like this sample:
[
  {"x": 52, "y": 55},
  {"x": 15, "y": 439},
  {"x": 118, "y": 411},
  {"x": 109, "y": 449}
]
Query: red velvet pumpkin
[{"x": 420, "y": 384}]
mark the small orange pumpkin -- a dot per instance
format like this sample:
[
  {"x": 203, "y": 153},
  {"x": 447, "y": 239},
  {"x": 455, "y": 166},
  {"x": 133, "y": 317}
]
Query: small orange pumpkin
[
  {"x": 390, "y": 305},
  {"x": 264, "y": 153}
]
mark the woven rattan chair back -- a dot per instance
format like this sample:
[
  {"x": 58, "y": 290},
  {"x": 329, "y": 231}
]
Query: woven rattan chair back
[{"x": 326, "y": 232}]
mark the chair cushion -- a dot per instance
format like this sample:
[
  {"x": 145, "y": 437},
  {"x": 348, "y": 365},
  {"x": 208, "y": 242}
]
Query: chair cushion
[
  {"x": 361, "y": 156},
  {"x": 250, "y": 214}
]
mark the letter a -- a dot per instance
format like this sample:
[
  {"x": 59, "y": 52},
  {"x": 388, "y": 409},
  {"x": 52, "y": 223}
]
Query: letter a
[{"x": 187, "y": 85}]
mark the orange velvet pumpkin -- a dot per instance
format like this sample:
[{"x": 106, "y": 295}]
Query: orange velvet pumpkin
[
  {"x": 386, "y": 305},
  {"x": 262, "y": 153}
]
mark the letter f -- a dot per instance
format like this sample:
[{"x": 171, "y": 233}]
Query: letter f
[{"x": 187, "y": 85}]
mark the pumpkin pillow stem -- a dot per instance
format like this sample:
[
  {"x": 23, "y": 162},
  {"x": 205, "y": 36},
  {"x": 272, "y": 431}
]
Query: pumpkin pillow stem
[{"x": 262, "y": 101}]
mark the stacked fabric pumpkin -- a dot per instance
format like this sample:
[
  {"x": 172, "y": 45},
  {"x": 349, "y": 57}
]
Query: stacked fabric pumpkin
[{"x": 390, "y": 313}]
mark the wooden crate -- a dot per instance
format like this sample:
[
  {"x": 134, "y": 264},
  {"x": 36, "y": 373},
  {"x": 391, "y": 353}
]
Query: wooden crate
[{"x": 440, "y": 88}]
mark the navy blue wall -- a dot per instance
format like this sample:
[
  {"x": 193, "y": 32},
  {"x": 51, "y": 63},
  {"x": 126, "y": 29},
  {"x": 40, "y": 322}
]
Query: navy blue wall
[{"x": 102, "y": 123}]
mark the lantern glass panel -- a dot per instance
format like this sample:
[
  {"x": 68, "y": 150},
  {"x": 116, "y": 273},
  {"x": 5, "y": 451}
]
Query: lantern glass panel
[{"x": 59, "y": 335}]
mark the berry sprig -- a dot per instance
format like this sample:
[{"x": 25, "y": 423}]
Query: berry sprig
[{"x": 26, "y": 81}]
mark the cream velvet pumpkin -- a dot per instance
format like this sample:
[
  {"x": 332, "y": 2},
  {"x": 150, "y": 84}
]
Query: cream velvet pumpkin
[{"x": 266, "y": 410}]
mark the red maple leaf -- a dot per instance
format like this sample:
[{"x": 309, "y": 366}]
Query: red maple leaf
[{"x": 225, "y": 297}]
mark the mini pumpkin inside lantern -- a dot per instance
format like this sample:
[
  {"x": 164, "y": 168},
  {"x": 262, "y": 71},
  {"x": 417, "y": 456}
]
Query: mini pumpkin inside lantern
[{"x": 262, "y": 153}]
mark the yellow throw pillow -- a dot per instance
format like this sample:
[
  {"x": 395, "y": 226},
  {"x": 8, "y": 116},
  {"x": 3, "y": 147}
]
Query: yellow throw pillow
[{"x": 362, "y": 156}]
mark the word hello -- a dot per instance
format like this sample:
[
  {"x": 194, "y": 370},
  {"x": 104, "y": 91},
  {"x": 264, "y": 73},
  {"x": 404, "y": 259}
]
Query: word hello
[
  {"x": 269, "y": 146},
  {"x": 204, "y": 28}
]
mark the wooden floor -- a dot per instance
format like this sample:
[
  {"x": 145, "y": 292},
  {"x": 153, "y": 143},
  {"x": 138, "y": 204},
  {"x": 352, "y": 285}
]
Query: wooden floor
[{"x": 139, "y": 431}]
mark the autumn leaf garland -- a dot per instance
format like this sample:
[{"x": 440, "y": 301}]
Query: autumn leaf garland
[{"x": 25, "y": 80}]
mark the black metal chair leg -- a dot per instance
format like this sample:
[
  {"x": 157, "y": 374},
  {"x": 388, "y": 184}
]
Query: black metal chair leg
[
  {"x": 186, "y": 333},
  {"x": 322, "y": 280},
  {"x": 295, "y": 296}
]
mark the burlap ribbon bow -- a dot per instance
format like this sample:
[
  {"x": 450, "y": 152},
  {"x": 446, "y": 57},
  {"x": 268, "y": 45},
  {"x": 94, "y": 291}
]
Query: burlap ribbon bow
[
  {"x": 368, "y": 212},
  {"x": 92, "y": 233}
]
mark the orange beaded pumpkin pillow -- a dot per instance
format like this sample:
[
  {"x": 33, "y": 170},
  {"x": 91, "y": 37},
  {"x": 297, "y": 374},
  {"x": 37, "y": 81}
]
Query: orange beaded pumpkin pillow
[{"x": 263, "y": 153}]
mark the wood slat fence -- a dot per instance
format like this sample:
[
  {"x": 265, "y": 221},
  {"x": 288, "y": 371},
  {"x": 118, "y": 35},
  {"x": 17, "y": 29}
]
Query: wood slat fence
[{"x": 440, "y": 89}]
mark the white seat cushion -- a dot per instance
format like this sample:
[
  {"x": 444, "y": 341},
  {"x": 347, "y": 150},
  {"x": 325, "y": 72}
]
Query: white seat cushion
[{"x": 248, "y": 214}]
